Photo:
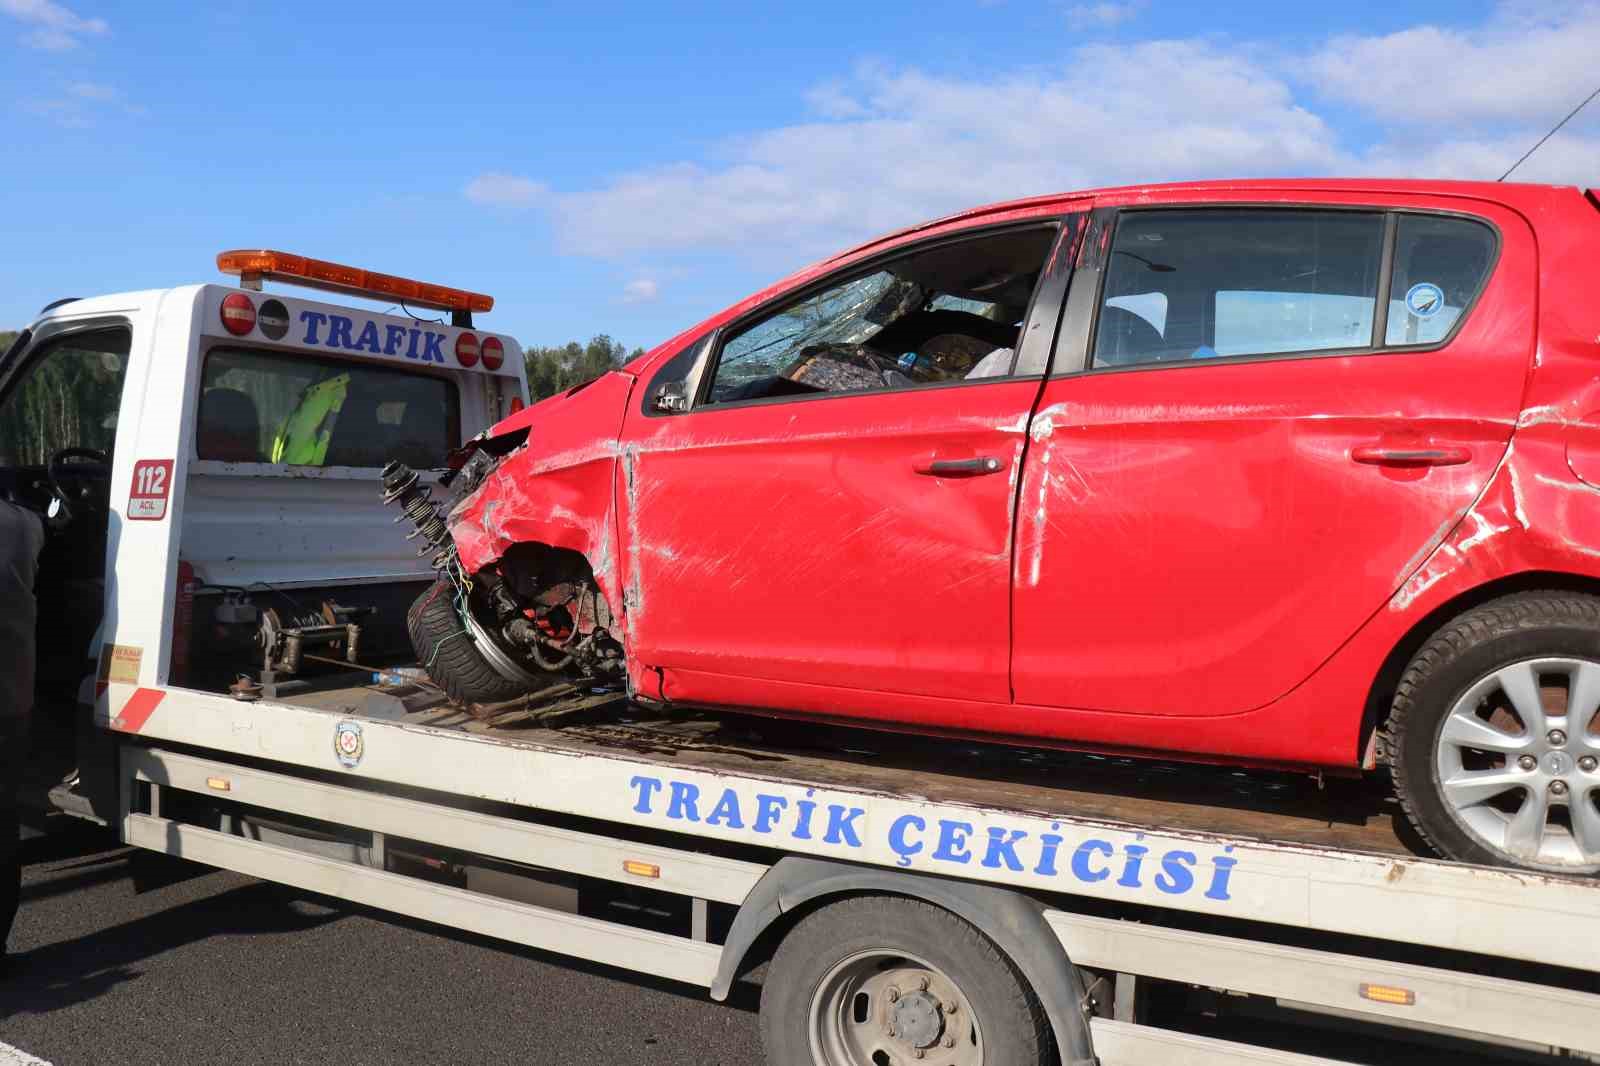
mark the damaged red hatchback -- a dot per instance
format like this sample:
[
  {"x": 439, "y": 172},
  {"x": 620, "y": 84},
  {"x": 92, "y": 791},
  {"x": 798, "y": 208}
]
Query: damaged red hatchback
[{"x": 1284, "y": 473}]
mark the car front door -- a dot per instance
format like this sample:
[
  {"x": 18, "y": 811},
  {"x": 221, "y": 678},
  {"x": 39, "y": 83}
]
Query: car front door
[
  {"x": 832, "y": 516},
  {"x": 1246, "y": 450}
]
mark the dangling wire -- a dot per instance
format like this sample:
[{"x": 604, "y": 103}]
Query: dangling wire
[{"x": 1552, "y": 133}]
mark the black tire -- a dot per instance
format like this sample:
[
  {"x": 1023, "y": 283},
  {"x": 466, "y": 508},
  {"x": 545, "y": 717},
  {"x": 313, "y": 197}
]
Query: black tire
[
  {"x": 1473, "y": 646},
  {"x": 447, "y": 651},
  {"x": 1013, "y": 1026}
]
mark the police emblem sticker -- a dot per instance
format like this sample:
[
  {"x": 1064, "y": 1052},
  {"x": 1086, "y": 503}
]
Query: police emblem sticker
[
  {"x": 348, "y": 745},
  {"x": 1424, "y": 299}
]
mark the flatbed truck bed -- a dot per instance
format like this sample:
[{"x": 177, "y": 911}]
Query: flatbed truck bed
[
  {"x": 1291, "y": 808},
  {"x": 1248, "y": 884}
]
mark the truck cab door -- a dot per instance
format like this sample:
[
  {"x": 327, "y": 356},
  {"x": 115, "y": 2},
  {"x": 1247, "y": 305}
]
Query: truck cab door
[
  {"x": 62, "y": 391},
  {"x": 61, "y": 394}
]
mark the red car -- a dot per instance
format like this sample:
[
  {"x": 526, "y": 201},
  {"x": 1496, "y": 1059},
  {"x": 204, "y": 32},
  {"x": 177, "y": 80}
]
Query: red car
[{"x": 1277, "y": 473}]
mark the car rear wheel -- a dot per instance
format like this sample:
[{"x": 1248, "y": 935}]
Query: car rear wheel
[
  {"x": 453, "y": 651},
  {"x": 1496, "y": 734},
  {"x": 877, "y": 979}
]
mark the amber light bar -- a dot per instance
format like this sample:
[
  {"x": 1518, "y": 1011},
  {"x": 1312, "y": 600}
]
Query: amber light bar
[{"x": 253, "y": 267}]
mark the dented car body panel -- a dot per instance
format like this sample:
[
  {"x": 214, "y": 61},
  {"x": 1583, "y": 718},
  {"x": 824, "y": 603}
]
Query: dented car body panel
[
  {"x": 1215, "y": 558},
  {"x": 558, "y": 489}
]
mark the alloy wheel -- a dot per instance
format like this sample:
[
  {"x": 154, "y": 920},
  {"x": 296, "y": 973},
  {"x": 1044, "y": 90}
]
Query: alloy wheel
[{"x": 1518, "y": 762}]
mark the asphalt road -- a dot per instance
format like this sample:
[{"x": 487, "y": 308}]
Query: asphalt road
[{"x": 130, "y": 957}]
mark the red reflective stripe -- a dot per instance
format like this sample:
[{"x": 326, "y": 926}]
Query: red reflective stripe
[{"x": 137, "y": 711}]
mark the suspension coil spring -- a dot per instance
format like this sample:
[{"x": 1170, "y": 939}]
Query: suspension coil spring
[{"x": 417, "y": 506}]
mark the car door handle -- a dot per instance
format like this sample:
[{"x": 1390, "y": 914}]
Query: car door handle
[
  {"x": 1430, "y": 455},
  {"x": 975, "y": 467}
]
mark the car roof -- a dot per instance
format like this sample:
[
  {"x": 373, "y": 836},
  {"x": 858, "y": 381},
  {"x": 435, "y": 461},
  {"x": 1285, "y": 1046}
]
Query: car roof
[{"x": 1516, "y": 195}]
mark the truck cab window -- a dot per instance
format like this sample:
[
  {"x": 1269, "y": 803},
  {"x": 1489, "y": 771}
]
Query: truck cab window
[
  {"x": 66, "y": 396},
  {"x": 257, "y": 407}
]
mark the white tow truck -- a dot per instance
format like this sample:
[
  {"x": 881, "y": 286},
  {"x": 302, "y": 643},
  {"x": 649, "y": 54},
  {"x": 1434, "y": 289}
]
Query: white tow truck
[{"x": 230, "y": 686}]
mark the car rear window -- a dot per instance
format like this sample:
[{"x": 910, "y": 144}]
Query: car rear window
[
  {"x": 266, "y": 408},
  {"x": 1440, "y": 263}
]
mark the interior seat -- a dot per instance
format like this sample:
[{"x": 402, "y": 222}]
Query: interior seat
[
  {"x": 229, "y": 427},
  {"x": 358, "y": 438},
  {"x": 912, "y": 332}
]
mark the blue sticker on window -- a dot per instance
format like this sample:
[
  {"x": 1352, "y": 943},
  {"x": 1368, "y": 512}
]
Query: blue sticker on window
[{"x": 1424, "y": 299}]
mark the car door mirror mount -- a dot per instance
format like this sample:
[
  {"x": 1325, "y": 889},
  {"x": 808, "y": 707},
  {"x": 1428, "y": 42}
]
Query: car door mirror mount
[{"x": 672, "y": 397}]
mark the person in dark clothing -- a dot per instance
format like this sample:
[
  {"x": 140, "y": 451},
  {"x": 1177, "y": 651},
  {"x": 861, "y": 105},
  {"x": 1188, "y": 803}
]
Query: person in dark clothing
[{"x": 21, "y": 538}]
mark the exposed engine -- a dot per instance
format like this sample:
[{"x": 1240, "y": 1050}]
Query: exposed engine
[{"x": 539, "y": 605}]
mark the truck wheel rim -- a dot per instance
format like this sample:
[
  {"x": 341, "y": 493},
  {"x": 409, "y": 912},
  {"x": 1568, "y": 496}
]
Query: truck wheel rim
[
  {"x": 880, "y": 1007},
  {"x": 1518, "y": 762}
]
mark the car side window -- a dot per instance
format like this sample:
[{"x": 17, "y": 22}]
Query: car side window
[
  {"x": 66, "y": 397},
  {"x": 1440, "y": 263},
  {"x": 949, "y": 312},
  {"x": 1183, "y": 285}
]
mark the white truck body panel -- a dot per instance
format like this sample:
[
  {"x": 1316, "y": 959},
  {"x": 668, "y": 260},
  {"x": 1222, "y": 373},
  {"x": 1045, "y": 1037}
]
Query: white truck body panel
[{"x": 1497, "y": 912}]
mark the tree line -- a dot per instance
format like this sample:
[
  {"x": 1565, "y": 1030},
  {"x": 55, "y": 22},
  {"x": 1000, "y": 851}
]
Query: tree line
[{"x": 553, "y": 370}]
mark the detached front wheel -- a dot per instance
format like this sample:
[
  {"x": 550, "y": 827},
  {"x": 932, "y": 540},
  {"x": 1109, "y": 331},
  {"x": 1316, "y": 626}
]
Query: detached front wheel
[
  {"x": 458, "y": 654},
  {"x": 878, "y": 979},
  {"x": 1496, "y": 731}
]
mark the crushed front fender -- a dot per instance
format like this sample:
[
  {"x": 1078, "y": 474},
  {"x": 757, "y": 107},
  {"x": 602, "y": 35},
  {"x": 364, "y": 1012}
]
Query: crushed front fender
[{"x": 558, "y": 489}]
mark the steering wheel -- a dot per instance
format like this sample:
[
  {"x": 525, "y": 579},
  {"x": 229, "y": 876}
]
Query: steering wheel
[{"x": 60, "y": 512}]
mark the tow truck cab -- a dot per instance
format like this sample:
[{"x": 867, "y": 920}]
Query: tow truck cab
[{"x": 209, "y": 458}]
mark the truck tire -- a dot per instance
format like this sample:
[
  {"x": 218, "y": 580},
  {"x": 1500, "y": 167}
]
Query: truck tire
[
  {"x": 448, "y": 652},
  {"x": 1495, "y": 734},
  {"x": 875, "y": 979}
]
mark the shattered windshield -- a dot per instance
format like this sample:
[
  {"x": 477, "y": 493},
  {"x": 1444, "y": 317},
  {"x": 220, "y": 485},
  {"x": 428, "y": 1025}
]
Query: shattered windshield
[{"x": 849, "y": 314}]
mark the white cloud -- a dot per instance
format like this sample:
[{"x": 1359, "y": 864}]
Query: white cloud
[
  {"x": 1528, "y": 63},
  {"x": 885, "y": 147},
  {"x": 54, "y": 28},
  {"x": 68, "y": 114},
  {"x": 81, "y": 102},
  {"x": 89, "y": 90},
  {"x": 1565, "y": 159},
  {"x": 505, "y": 190},
  {"x": 641, "y": 291},
  {"x": 1100, "y": 16},
  {"x": 909, "y": 145}
]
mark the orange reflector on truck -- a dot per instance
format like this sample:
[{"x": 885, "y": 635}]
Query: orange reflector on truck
[
  {"x": 1399, "y": 997},
  {"x": 641, "y": 869},
  {"x": 255, "y": 266}
]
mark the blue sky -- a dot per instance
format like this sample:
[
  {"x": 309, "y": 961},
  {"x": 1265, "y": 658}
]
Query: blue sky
[{"x": 635, "y": 167}]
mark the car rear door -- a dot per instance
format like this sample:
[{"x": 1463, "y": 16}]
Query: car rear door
[{"x": 1238, "y": 460}]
